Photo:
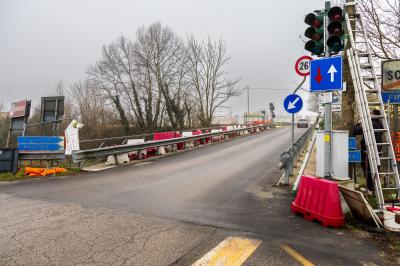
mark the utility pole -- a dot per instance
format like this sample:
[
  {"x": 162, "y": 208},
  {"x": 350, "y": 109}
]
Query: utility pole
[
  {"x": 248, "y": 99},
  {"x": 328, "y": 106}
]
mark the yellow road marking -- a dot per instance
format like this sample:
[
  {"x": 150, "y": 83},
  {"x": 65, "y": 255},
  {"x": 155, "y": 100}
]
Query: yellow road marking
[
  {"x": 233, "y": 251},
  {"x": 295, "y": 255}
]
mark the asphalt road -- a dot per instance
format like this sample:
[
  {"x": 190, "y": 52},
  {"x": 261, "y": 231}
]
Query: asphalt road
[{"x": 208, "y": 194}]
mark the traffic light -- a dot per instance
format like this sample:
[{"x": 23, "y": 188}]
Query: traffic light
[
  {"x": 335, "y": 41},
  {"x": 315, "y": 32}
]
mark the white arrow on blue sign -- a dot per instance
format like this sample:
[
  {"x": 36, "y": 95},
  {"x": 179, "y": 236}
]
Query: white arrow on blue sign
[
  {"x": 293, "y": 103},
  {"x": 326, "y": 74}
]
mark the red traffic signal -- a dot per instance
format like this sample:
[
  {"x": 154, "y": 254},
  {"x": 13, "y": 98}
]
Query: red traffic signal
[
  {"x": 335, "y": 28},
  {"x": 313, "y": 20},
  {"x": 335, "y": 14}
]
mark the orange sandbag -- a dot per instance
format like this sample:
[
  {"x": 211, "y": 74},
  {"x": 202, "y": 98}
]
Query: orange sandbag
[
  {"x": 31, "y": 171},
  {"x": 61, "y": 170},
  {"x": 34, "y": 174}
]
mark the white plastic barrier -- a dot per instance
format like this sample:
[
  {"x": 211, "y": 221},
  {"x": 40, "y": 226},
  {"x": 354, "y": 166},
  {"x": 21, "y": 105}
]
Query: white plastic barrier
[
  {"x": 122, "y": 158},
  {"x": 111, "y": 160},
  {"x": 389, "y": 221},
  {"x": 189, "y": 144},
  {"x": 132, "y": 142},
  {"x": 218, "y": 137}
]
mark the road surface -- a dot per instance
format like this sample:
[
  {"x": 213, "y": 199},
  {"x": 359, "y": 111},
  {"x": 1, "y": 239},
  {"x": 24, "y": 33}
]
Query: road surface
[{"x": 173, "y": 210}]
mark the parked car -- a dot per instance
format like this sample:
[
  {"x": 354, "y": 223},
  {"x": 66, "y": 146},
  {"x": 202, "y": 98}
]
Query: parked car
[{"x": 302, "y": 123}]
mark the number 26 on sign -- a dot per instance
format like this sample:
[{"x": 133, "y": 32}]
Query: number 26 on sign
[{"x": 302, "y": 65}]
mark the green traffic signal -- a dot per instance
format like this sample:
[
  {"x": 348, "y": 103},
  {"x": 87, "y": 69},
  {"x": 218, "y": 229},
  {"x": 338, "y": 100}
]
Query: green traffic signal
[
  {"x": 335, "y": 41},
  {"x": 314, "y": 47},
  {"x": 315, "y": 32}
]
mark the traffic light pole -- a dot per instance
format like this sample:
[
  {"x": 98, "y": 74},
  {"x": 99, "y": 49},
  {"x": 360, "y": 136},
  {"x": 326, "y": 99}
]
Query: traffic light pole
[{"x": 328, "y": 107}]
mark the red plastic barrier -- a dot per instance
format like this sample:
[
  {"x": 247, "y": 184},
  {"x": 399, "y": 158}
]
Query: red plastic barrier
[
  {"x": 196, "y": 132},
  {"x": 318, "y": 200},
  {"x": 165, "y": 135}
]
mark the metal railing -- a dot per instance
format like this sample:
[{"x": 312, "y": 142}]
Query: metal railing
[
  {"x": 82, "y": 155},
  {"x": 288, "y": 157}
]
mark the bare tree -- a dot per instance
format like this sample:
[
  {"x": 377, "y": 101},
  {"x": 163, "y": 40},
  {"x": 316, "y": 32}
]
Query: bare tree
[
  {"x": 382, "y": 23},
  {"x": 209, "y": 77},
  {"x": 93, "y": 110},
  {"x": 156, "y": 81},
  {"x": 59, "y": 88},
  {"x": 107, "y": 77},
  {"x": 161, "y": 52}
]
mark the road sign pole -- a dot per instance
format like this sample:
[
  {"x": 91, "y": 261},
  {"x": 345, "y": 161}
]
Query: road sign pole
[
  {"x": 291, "y": 151},
  {"x": 328, "y": 108}
]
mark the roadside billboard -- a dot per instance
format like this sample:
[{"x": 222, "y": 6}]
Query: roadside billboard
[
  {"x": 20, "y": 109},
  {"x": 52, "y": 109}
]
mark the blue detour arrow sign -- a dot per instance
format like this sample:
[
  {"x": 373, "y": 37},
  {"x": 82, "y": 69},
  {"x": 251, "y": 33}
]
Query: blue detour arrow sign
[
  {"x": 40, "y": 143},
  {"x": 293, "y": 103},
  {"x": 326, "y": 74}
]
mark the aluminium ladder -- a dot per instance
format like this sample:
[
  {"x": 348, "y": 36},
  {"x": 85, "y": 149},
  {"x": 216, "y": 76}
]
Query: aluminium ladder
[{"x": 368, "y": 97}]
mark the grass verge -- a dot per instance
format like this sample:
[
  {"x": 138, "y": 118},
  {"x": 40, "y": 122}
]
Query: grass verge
[{"x": 6, "y": 176}]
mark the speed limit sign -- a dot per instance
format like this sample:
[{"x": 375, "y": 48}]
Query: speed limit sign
[{"x": 302, "y": 65}]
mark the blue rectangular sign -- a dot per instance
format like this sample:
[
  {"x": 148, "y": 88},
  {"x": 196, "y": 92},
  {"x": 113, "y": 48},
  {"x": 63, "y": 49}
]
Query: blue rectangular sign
[
  {"x": 355, "y": 156},
  {"x": 391, "y": 97},
  {"x": 326, "y": 74},
  {"x": 40, "y": 139},
  {"x": 40, "y": 143},
  {"x": 40, "y": 147},
  {"x": 352, "y": 143}
]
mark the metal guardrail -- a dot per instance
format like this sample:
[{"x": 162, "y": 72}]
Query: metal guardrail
[
  {"x": 122, "y": 140},
  {"x": 291, "y": 154},
  {"x": 82, "y": 155}
]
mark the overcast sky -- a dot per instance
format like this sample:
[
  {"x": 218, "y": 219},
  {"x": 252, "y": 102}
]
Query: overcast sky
[{"x": 43, "y": 41}]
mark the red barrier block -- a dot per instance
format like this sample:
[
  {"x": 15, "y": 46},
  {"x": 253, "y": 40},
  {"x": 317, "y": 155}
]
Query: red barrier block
[
  {"x": 197, "y": 132},
  {"x": 166, "y": 135},
  {"x": 319, "y": 200}
]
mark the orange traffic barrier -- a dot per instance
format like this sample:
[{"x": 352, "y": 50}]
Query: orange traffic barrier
[{"x": 33, "y": 171}]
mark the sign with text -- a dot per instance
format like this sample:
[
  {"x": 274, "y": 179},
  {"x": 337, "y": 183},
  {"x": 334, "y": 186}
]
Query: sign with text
[
  {"x": 41, "y": 143},
  {"x": 302, "y": 65},
  {"x": 391, "y": 75},
  {"x": 19, "y": 109},
  {"x": 72, "y": 137},
  {"x": 391, "y": 97}
]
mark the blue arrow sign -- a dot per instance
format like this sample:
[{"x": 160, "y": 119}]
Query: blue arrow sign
[
  {"x": 40, "y": 143},
  {"x": 326, "y": 74},
  {"x": 293, "y": 103},
  {"x": 40, "y": 147},
  {"x": 40, "y": 139}
]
